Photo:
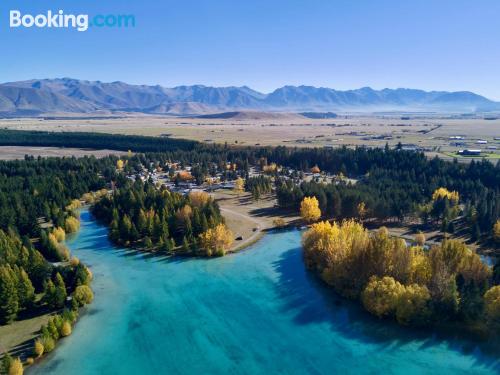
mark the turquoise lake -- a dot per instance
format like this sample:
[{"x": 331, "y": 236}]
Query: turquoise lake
[{"x": 256, "y": 312}]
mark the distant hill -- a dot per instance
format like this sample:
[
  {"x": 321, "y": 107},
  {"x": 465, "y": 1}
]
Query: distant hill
[
  {"x": 253, "y": 115},
  {"x": 66, "y": 95}
]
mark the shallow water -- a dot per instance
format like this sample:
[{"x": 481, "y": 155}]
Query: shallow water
[{"x": 256, "y": 312}]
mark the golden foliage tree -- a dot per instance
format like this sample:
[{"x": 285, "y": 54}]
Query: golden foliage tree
[
  {"x": 309, "y": 209},
  {"x": 492, "y": 304},
  {"x": 239, "y": 185},
  {"x": 412, "y": 306},
  {"x": 199, "y": 198},
  {"x": 120, "y": 164},
  {"x": 74, "y": 261},
  {"x": 74, "y": 205},
  {"x": 216, "y": 241},
  {"x": 38, "y": 348},
  {"x": 48, "y": 344},
  {"x": 59, "y": 234},
  {"x": 443, "y": 193},
  {"x": 361, "y": 210},
  {"x": 72, "y": 224},
  {"x": 83, "y": 295},
  {"x": 61, "y": 249},
  {"x": 184, "y": 213},
  {"x": 334, "y": 251},
  {"x": 66, "y": 329},
  {"x": 496, "y": 231},
  {"x": 16, "y": 367},
  {"x": 270, "y": 168},
  {"x": 380, "y": 296},
  {"x": 420, "y": 239}
]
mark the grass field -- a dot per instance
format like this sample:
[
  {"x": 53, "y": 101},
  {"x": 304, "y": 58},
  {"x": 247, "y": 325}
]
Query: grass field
[{"x": 431, "y": 134}]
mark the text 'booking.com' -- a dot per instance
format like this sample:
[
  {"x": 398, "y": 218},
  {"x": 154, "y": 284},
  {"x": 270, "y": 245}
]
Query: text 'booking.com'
[{"x": 61, "y": 20}]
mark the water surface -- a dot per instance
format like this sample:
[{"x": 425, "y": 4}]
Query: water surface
[{"x": 256, "y": 312}]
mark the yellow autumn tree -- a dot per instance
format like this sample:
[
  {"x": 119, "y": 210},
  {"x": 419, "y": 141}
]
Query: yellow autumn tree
[
  {"x": 74, "y": 205},
  {"x": 270, "y": 168},
  {"x": 361, "y": 210},
  {"x": 72, "y": 224},
  {"x": 492, "y": 304},
  {"x": 309, "y": 209},
  {"x": 184, "y": 213},
  {"x": 120, "y": 164},
  {"x": 61, "y": 249},
  {"x": 381, "y": 295},
  {"x": 239, "y": 185},
  {"x": 48, "y": 344},
  {"x": 333, "y": 250},
  {"x": 412, "y": 306},
  {"x": 16, "y": 367},
  {"x": 199, "y": 198},
  {"x": 443, "y": 193},
  {"x": 74, "y": 261},
  {"x": 66, "y": 329},
  {"x": 496, "y": 231},
  {"x": 83, "y": 295},
  {"x": 216, "y": 241},
  {"x": 59, "y": 234},
  {"x": 38, "y": 348},
  {"x": 420, "y": 239},
  {"x": 420, "y": 267}
]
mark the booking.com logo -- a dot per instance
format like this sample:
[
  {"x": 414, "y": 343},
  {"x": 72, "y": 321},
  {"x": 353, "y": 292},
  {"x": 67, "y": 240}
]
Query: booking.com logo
[{"x": 80, "y": 22}]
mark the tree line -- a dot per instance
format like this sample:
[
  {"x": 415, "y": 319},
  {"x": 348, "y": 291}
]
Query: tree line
[
  {"x": 448, "y": 283},
  {"x": 391, "y": 181},
  {"x": 140, "y": 215}
]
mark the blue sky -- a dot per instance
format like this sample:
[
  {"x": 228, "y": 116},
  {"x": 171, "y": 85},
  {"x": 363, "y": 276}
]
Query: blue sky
[{"x": 265, "y": 44}]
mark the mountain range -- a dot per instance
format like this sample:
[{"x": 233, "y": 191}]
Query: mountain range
[{"x": 73, "y": 96}]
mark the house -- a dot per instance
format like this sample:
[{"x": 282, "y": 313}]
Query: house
[{"x": 469, "y": 152}]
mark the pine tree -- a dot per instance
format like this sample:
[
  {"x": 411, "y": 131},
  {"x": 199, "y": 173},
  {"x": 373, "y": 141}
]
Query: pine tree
[
  {"x": 60, "y": 291},
  {"x": 9, "y": 302},
  {"x": 25, "y": 289}
]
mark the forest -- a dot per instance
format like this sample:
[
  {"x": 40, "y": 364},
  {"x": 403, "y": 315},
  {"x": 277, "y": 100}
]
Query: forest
[
  {"x": 141, "y": 216},
  {"x": 392, "y": 183},
  {"x": 39, "y": 199}
]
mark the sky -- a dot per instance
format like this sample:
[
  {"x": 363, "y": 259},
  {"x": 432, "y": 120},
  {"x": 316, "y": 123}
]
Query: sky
[{"x": 265, "y": 44}]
